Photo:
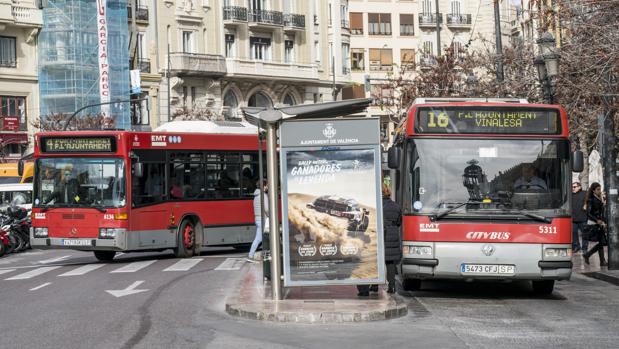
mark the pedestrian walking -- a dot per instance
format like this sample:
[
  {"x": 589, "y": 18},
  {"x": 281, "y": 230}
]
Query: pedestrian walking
[
  {"x": 392, "y": 220},
  {"x": 596, "y": 223},
  {"x": 259, "y": 218},
  {"x": 579, "y": 218}
]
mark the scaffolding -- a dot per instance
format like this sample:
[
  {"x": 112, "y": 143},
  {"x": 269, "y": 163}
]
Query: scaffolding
[{"x": 68, "y": 59}]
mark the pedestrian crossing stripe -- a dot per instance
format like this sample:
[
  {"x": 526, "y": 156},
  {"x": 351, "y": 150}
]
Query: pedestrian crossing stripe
[
  {"x": 231, "y": 264},
  {"x": 83, "y": 270},
  {"x": 32, "y": 273}
]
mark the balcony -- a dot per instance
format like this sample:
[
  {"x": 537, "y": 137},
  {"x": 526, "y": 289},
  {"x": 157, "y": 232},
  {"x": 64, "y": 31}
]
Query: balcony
[
  {"x": 21, "y": 13},
  {"x": 271, "y": 69},
  {"x": 345, "y": 24},
  {"x": 456, "y": 20},
  {"x": 144, "y": 65},
  {"x": 345, "y": 71},
  {"x": 197, "y": 64},
  {"x": 265, "y": 19},
  {"x": 428, "y": 20},
  {"x": 235, "y": 14},
  {"x": 293, "y": 21},
  {"x": 141, "y": 14},
  {"x": 427, "y": 62}
]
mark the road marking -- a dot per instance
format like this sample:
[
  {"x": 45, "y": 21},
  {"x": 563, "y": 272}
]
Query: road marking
[
  {"x": 127, "y": 291},
  {"x": 40, "y": 286},
  {"x": 6, "y": 271},
  {"x": 231, "y": 264},
  {"x": 184, "y": 264},
  {"x": 32, "y": 273},
  {"x": 53, "y": 260},
  {"x": 133, "y": 267},
  {"x": 82, "y": 270}
]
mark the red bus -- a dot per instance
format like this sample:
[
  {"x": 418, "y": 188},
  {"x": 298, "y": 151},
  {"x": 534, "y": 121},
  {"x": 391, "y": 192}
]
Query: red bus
[
  {"x": 485, "y": 191},
  {"x": 112, "y": 191}
]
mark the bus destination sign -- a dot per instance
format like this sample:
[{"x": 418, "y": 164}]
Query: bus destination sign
[
  {"x": 474, "y": 120},
  {"x": 78, "y": 145}
]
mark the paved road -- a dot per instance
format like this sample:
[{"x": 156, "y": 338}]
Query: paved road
[{"x": 58, "y": 299}]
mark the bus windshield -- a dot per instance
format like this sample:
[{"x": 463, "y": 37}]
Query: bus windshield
[
  {"x": 80, "y": 182},
  {"x": 488, "y": 177}
]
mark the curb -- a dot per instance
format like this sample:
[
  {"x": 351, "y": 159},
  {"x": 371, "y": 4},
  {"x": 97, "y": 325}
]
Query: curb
[
  {"x": 248, "y": 311},
  {"x": 604, "y": 277}
]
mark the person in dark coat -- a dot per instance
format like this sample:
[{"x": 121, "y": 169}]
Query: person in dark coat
[
  {"x": 392, "y": 220},
  {"x": 579, "y": 218},
  {"x": 596, "y": 221}
]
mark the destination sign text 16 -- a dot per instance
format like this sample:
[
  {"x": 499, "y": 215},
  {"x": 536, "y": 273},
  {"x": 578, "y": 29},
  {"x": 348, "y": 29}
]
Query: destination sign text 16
[{"x": 487, "y": 120}]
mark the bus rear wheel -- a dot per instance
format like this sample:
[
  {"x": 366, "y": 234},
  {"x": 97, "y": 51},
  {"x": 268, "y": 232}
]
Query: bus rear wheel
[
  {"x": 105, "y": 256},
  {"x": 543, "y": 287},
  {"x": 411, "y": 284},
  {"x": 186, "y": 240}
]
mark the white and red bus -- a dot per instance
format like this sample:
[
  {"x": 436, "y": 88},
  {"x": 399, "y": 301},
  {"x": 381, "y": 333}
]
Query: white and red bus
[
  {"x": 485, "y": 191},
  {"x": 112, "y": 191}
]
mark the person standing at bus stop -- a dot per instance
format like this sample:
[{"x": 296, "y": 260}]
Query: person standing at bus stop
[
  {"x": 579, "y": 218},
  {"x": 259, "y": 218},
  {"x": 596, "y": 224}
]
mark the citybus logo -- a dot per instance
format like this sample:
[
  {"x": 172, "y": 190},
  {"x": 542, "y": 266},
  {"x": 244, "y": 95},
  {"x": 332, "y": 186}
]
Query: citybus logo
[
  {"x": 329, "y": 131},
  {"x": 483, "y": 235}
]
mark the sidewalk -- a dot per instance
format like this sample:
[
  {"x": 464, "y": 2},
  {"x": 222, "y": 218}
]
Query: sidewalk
[
  {"x": 594, "y": 270},
  {"x": 251, "y": 299}
]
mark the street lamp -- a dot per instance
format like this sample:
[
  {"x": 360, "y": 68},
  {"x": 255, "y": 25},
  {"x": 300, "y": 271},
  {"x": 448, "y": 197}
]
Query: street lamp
[{"x": 547, "y": 65}]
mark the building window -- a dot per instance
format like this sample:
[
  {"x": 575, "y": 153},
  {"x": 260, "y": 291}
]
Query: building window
[
  {"x": 407, "y": 27},
  {"x": 381, "y": 59},
  {"x": 259, "y": 99},
  {"x": 345, "y": 59},
  {"x": 344, "y": 16},
  {"x": 8, "y": 58},
  {"x": 456, "y": 7},
  {"x": 289, "y": 50},
  {"x": 317, "y": 49},
  {"x": 13, "y": 113},
  {"x": 379, "y": 23},
  {"x": 288, "y": 100},
  {"x": 357, "y": 59},
  {"x": 184, "y": 96},
  {"x": 193, "y": 96},
  {"x": 231, "y": 105},
  {"x": 426, "y": 7},
  {"x": 188, "y": 42},
  {"x": 331, "y": 58},
  {"x": 356, "y": 23},
  {"x": 260, "y": 48},
  {"x": 407, "y": 58},
  {"x": 139, "y": 110},
  {"x": 330, "y": 17},
  {"x": 230, "y": 46}
]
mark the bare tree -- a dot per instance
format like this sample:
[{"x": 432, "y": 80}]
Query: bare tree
[
  {"x": 56, "y": 122},
  {"x": 185, "y": 113}
]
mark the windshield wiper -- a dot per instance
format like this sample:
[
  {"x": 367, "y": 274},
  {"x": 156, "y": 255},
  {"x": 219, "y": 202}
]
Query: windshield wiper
[
  {"x": 436, "y": 217},
  {"x": 100, "y": 209},
  {"x": 534, "y": 216}
]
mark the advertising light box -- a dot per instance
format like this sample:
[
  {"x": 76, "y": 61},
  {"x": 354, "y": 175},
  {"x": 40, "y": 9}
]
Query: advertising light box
[{"x": 332, "y": 218}]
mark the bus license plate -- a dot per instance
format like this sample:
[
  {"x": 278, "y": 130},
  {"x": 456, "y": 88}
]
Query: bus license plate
[
  {"x": 487, "y": 269},
  {"x": 76, "y": 242}
]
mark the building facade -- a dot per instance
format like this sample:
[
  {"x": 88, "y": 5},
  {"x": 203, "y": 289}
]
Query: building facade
[
  {"x": 216, "y": 56},
  {"x": 20, "y": 22},
  {"x": 389, "y": 35}
]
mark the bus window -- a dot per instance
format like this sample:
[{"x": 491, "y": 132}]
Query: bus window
[{"x": 149, "y": 189}]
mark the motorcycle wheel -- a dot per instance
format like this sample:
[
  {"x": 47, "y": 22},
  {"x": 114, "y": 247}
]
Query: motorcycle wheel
[
  {"x": 2, "y": 249},
  {"x": 12, "y": 244},
  {"x": 20, "y": 243}
]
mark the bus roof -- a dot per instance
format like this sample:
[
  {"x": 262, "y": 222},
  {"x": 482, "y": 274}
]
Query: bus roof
[{"x": 212, "y": 127}]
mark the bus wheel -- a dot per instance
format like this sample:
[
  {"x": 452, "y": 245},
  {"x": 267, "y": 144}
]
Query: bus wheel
[
  {"x": 186, "y": 240},
  {"x": 411, "y": 284},
  {"x": 543, "y": 287},
  {"x": 105, "y": 256}
]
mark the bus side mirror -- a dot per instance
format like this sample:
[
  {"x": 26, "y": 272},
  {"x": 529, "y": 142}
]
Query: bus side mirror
[
  {"x": 393, "y": 157},
  {"x": 138, "y": 169},
  {"x": 577, "y": 161},
  {"x": 20, "y": 168}
]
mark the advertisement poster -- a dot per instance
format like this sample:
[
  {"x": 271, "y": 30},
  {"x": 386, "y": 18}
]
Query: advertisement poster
[{"x": 331, "y": 228}]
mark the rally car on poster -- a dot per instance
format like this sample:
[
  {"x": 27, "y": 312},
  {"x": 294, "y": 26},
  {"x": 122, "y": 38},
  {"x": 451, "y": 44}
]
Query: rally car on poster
[{"x": 358, "y": 218}]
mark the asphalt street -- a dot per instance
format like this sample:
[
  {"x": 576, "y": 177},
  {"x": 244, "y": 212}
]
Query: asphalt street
[{"x": 66, "y": 299}]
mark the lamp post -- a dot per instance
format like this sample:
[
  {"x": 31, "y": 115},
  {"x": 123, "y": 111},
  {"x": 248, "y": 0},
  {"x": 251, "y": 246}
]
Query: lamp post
[{"x": 547, "y": 65}]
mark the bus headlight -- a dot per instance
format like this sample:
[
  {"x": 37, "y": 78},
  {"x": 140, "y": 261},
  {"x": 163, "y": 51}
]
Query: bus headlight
[
  {"x": 40, "y": 233},
  {"x": 110, "y": 233},
  {"x": 557, "y": 252},
  {"x": 420, "y": 250}
]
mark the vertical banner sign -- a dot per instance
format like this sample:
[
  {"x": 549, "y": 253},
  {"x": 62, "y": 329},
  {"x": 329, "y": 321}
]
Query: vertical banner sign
[
  {"x": 135, "y": 81},
  {"x": 332, "y": 207},
  {"x": 104, "y": 67}
]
